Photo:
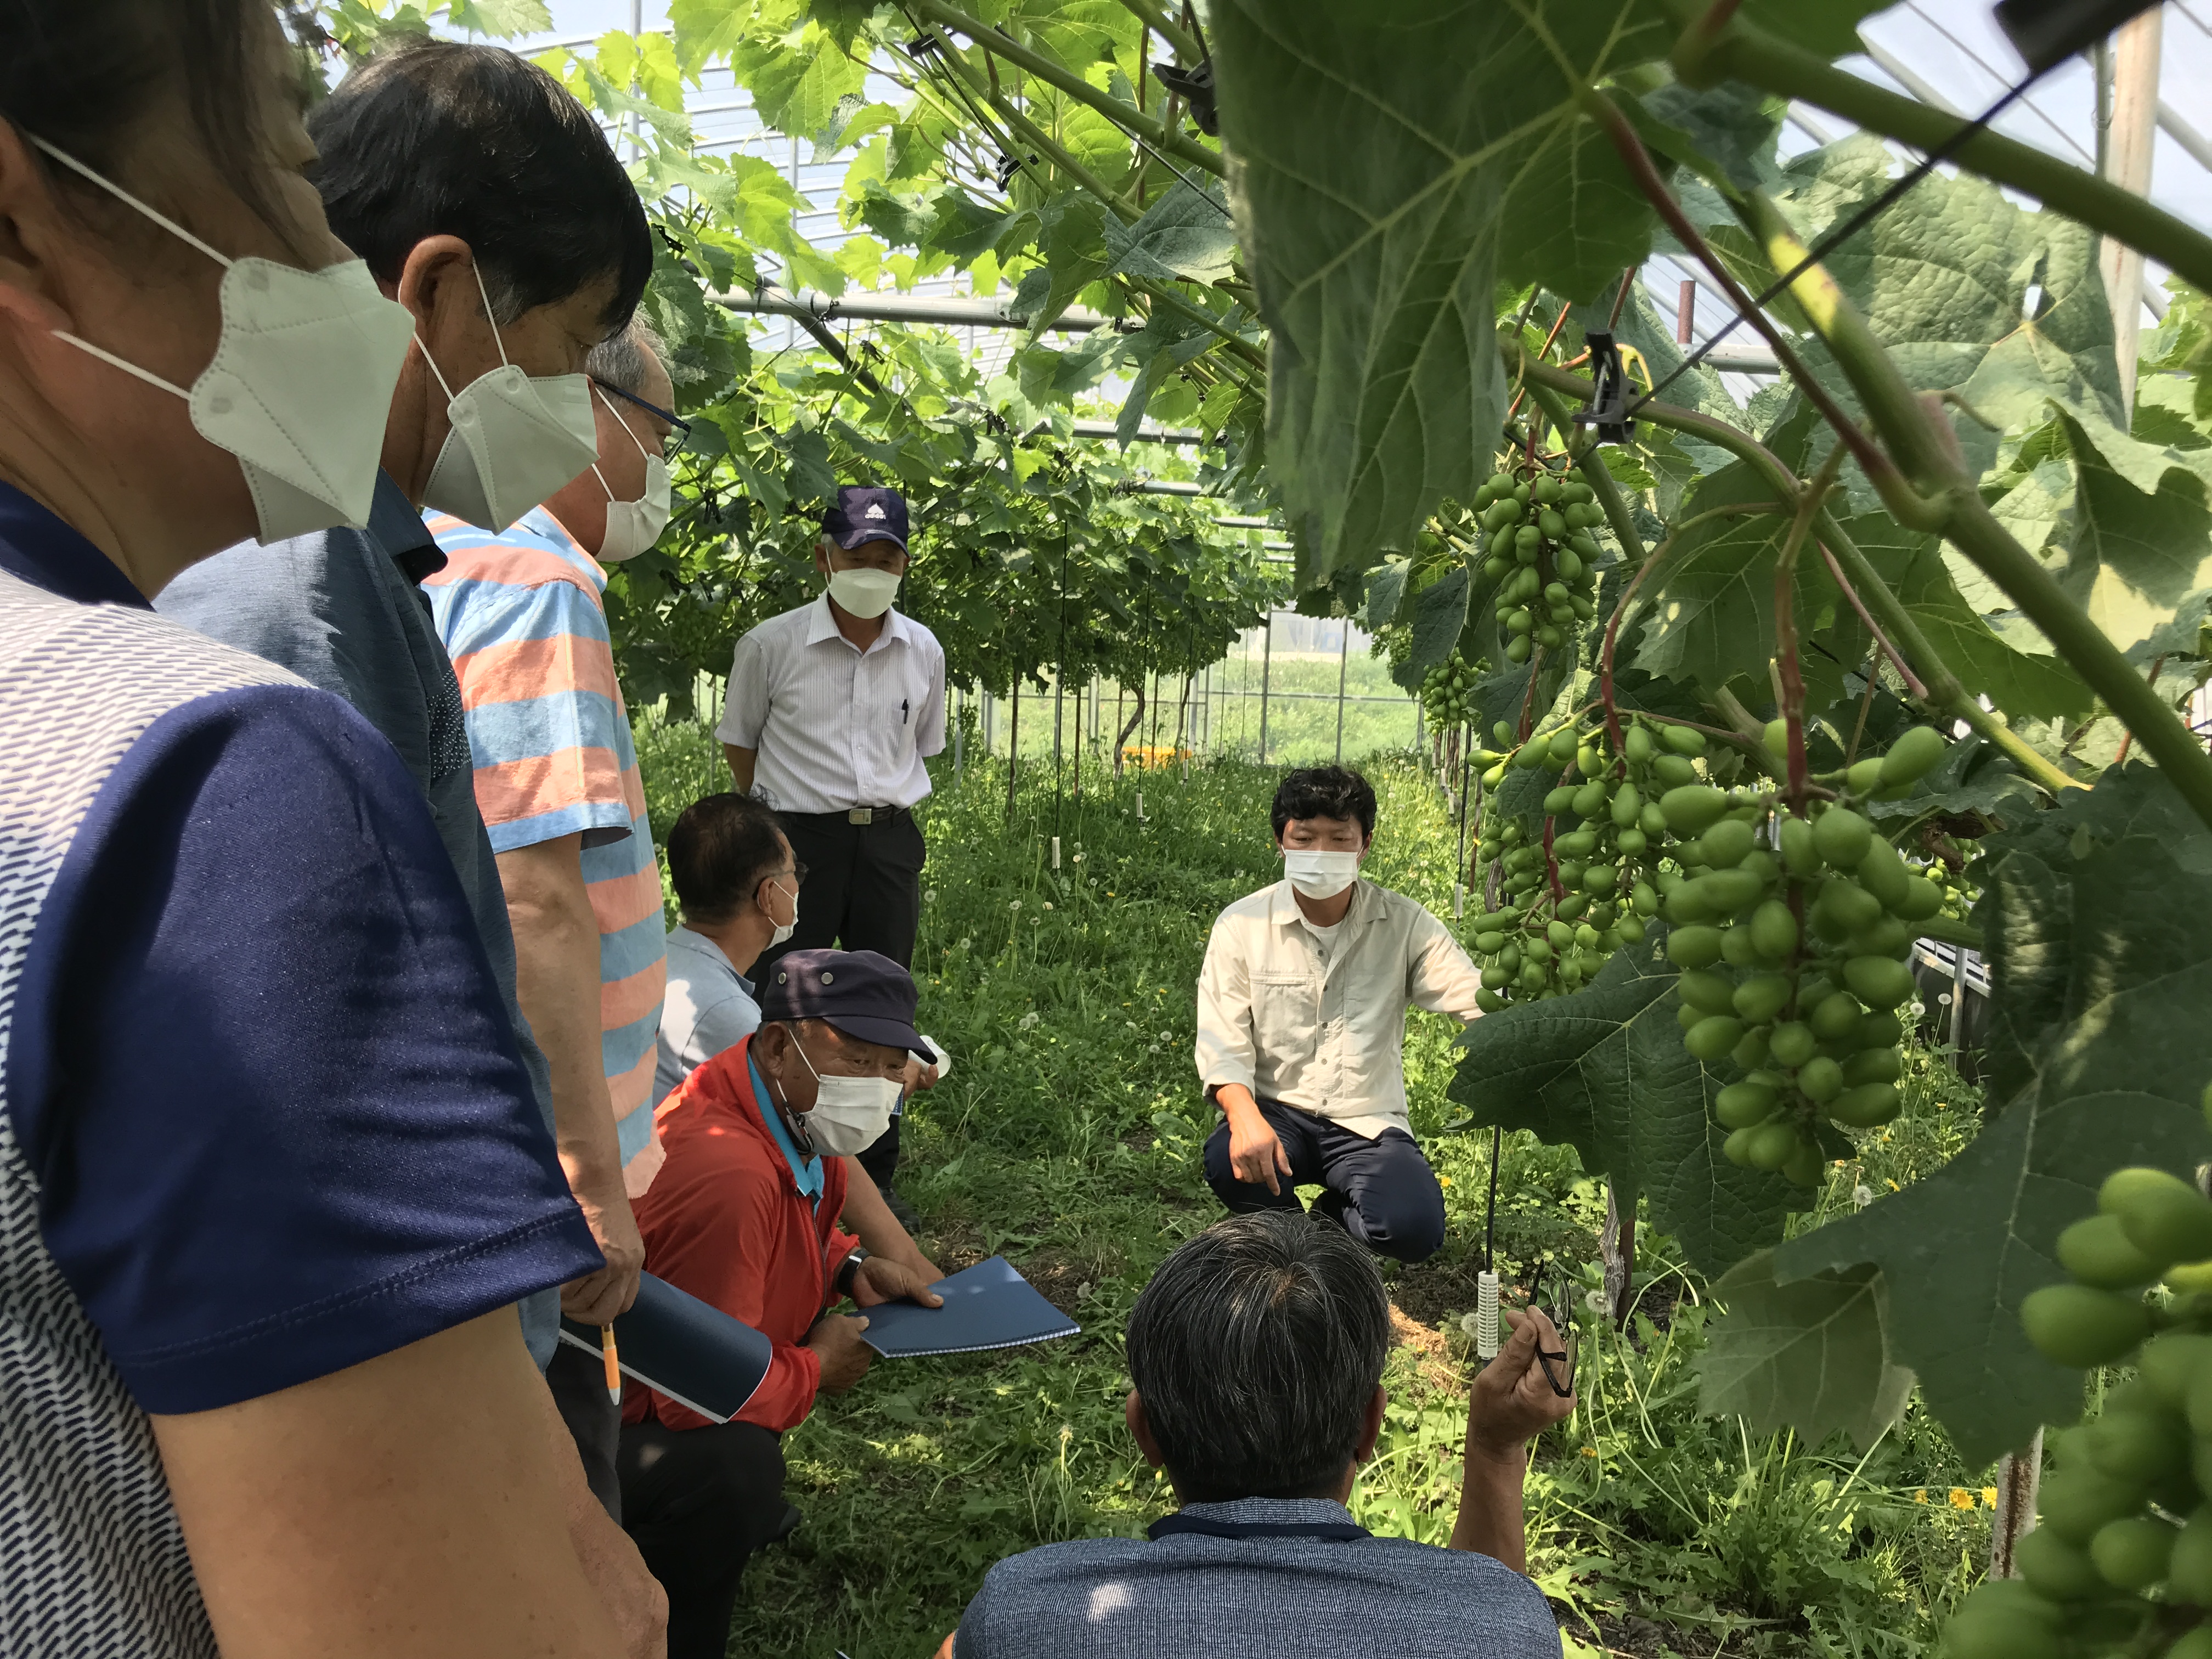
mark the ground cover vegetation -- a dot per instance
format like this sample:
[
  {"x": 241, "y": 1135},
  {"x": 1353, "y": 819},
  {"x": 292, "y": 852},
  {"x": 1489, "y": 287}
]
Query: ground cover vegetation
[
  {"x": 1895, "y": 651},
  {"x": 1068, "y": 1137}
]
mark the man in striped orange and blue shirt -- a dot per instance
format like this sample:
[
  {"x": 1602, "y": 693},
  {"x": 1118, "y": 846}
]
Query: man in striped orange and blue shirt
[{"x": 522, "y": 615}]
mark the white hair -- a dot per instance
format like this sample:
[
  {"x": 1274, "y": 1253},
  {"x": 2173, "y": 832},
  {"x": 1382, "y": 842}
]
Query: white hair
[{"x": 620, "y": 361}]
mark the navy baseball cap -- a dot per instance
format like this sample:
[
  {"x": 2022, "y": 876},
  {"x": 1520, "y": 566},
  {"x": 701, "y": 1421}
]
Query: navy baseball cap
[
  {"x": 863, "y": 994},
  {"x": 865, "y": 513}
]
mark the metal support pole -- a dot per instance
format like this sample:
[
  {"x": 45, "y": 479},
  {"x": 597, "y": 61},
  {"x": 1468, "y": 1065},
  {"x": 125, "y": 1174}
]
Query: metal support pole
[
  {"x": 959, "y": 730},
  {"x": 1267, "y": 666},
  {"x": 1343, "y": 663}
]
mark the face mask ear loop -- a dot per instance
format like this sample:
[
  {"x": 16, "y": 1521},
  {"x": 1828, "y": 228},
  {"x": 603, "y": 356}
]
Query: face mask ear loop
[
  {"x": 122, "y": 195},
  {"x": 127, "y": 369},
  {"x": 475, "y": 269},
  {"x": 599, "y": 392}
]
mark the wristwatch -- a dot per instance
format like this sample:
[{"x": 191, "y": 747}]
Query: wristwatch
[{"x": 850, "y": 1269}]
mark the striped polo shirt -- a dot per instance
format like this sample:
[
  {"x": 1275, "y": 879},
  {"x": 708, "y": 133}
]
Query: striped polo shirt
[{"x": 523, "y": 616}]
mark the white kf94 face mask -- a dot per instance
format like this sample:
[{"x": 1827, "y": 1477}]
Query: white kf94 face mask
[
  {"x": 863, "y": 593},
  {"x": 1319, "y": 874},
  {"x": 515, "y": 439},
  {"x": 633, "y": 526},
  {"x": 850, "y": 1113},
  {"x": 300, "y": 384},
  {"x": 784, "y": 930}
]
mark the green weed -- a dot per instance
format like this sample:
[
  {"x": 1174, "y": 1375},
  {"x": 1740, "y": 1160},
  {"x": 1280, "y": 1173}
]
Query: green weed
[{"x": 1068, "y": 1137}]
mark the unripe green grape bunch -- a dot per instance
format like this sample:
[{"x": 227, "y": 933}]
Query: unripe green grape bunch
[
  {"x": 1447, "y": 693},
  {"x": 2121, "y": 1559},
  {"x": 1539, "y": 545},
  {"x": 1548, "y": 938},
  {"x": 1792, "y": 935}
]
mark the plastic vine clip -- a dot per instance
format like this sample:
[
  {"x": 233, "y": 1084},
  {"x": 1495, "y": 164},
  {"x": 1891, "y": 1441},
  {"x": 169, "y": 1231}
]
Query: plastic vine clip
[
  {"x": 1608, "y": 409},
  {"x": 1485, "y": 1316},
  {"x": 2046, "y": 33}
]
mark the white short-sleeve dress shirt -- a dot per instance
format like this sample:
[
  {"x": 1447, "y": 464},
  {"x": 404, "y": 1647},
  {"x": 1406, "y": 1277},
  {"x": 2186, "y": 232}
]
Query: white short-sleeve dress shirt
[{"x": 834, "y": 726}]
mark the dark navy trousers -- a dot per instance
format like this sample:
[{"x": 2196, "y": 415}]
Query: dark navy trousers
[{"x": 1380, "y": 1191}]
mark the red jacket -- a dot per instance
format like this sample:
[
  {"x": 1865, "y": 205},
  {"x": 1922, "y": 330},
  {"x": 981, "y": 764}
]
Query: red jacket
[{"x": 725, "y": 1220}]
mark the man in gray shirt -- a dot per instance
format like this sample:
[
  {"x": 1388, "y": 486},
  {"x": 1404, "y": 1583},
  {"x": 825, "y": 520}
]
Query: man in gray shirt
[{"x": 1257, "y": 1352}]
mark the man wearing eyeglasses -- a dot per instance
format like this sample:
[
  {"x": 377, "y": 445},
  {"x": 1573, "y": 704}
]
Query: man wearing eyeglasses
[
  {"x": 833, "y": 709},
  {"x": 522, "y": 614}
]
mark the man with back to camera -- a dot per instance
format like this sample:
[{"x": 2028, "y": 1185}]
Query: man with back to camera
[
  {"x": 521, "y": 614},
  {"x": 833, "y": 708},
  {"x": 486, "y": 201},
  {"x": 1256, "y": 1356},
  {"x": 743, "y": 1216},
  {"x": 1302, "y": 1027}
]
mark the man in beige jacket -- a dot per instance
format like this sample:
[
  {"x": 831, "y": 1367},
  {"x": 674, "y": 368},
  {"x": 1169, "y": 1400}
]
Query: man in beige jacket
[{"x": 1302, "y": 1027}]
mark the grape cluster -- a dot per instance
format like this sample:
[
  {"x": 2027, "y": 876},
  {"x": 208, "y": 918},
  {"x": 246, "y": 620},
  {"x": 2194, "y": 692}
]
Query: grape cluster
[
  {"x": 1793, "y": 955},
  {"x": 2126, "y": 1513},
  {"x": 1447, "y": 693},
  {"x": 1537, "y": 542},
  {"x": 1574, "y": 894}
]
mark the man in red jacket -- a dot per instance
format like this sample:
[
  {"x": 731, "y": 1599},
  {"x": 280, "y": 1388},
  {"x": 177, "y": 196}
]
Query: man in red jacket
[{"x": 744, "y": 1215}]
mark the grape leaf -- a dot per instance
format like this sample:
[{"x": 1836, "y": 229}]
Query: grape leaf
[
  {"x": 1183, "y": 236},
  {"x": 1386, "y": 589},
  {"x": 1809, "y": 1355},
  {"x": 1393, "y": 161},
  {"x": 1439, "y": 614},
  {"x": 2112, "y": 1079},
  {"x": 2141, "y": 560},
  {"x": 1605, "y": 1072}
]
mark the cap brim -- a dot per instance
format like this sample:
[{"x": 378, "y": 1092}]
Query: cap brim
[
  {"x": 891, "y": 1033},
  {"x": 849, "y": 540}
]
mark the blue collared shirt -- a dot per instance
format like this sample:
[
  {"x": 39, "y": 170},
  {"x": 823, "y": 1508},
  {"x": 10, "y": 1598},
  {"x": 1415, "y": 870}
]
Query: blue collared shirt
[{"x": 1189, "y": 1595}]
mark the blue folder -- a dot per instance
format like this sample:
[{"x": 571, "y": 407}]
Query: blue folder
[
  {"x": 988, "y": 1305},
  {"x": 689, "y": 1350}
]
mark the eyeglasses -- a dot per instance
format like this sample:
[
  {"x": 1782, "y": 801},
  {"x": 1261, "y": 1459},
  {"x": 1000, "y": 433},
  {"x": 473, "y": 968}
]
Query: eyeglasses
[{"x": 679, "y": 428}]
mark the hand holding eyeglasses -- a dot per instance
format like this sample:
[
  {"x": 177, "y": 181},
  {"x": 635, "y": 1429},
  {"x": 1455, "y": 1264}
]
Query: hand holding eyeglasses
[{"x": 1528, "y": 1386}]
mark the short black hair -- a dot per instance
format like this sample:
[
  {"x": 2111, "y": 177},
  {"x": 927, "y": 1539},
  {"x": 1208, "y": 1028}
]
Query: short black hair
[
  {"x": 81, "y": 73},
  {"x": 434, "y": 137},
  {"x": 1255, "y": 1350},
  {"x": 719, "y": 849},
  {"x": 1325, "y": 791}
]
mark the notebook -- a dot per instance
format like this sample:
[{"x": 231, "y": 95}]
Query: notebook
[
  {"x": 988, "y": 1305},
  {"x": 689, "y": 1350}
]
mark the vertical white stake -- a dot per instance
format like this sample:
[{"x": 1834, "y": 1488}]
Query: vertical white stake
[
  {"x": 1459, "y": 900},
  {"x": 1141, "y": 806},
  {"x": 1485, "y": 1316},
  {"x": 1055, "y": 852}
]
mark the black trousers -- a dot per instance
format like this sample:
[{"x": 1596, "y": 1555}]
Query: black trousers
[
  {"x": 1380, "y": 1191},
  {"x": 697, "y": 1502},
  {"x": 578, "y": 1381},
  {"x": 862, "y": 892}
]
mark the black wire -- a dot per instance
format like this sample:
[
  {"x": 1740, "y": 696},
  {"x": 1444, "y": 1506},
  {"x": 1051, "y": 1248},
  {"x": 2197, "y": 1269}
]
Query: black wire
[
  {"x": 1490, "y": 1224},
  {"x": 1843, "y": 232}
]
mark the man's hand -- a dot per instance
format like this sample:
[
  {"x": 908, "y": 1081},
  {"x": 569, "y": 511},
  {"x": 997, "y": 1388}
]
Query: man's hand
[
  {"x": 1509, "y": 1405},
  {"x": 880, "y": 1281},
  {"x": 598, "y": 1298},
  {"x": 918, "y": 1077},
  {"x": 1255, "y": 1151},
  {"x": 835, "y": 1339},
  {"x": 1512, "y": 1402}
]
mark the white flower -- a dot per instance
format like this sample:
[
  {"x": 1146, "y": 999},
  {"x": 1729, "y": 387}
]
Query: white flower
[
  {"x": 1861, "y": 1197},
  {"x": 1048, "y": 904},
  {"x": 1595, "y": 1302},
  {"x": 965, "y": 944},
  {"x": 1028, "y": 1020},
  {"x": 1167, "y": 1036},
  {"x": 1083, "y": 1292},
  {"x": 930, "y": 897},
  {"x": 1015, "y": 905},
  {"x": 1470, "y": 1324},
  {"x": 1078, "y": 858}
]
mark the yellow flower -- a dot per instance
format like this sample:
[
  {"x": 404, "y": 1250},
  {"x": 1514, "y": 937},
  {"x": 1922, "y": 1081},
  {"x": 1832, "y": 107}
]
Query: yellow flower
[
  {"x": 1443, "y": 1181},
  {"x": 1990, "y": 1496},
  {"x": 1961, "y": 1498},
  {"x": 1589, "y": 1452},
  {"x": 1919, "y": 1495}
]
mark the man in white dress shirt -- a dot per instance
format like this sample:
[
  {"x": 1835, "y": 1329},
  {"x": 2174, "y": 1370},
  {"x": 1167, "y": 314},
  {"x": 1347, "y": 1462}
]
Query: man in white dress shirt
[
  {"x": 833, "y": 709},
  {"x": 1302, "y": 1027}
]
